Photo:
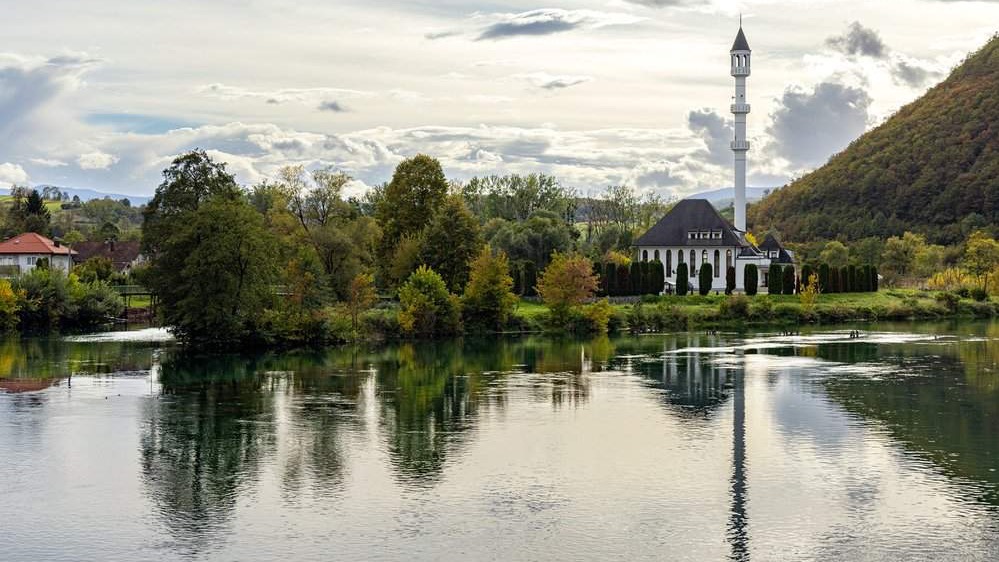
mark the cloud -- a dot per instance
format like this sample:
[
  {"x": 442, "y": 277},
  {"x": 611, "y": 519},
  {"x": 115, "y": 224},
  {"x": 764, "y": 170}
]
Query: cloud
[
  {"x": 96, "y": 160},
  {"x": 48, "y": 162},
  {"x": 547, "y": 81},
  {"x": 434, "y": 35},
  {"x": 12, "y": 174},
  {"x": 717, "y": 133},
  {"x": 284, "y": 95},
  {"x": 912, "y": 72},
  {"x": 332, "y": 105},
  {"x": 549, "y": 21},
  {"x": 859, "y": 40},
  {"x": 808, "y": 126}
]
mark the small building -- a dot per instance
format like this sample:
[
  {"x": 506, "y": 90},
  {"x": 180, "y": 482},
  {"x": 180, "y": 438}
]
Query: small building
[
  {"x": 123, "y": 255},
  {"x": 22, "y": 253},
  {"x": 694, "y": 233}
]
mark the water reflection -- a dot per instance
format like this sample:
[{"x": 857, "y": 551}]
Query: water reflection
[{"x": 398, "y": 444}]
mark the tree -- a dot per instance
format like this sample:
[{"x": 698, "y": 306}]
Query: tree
[
  {"x": 637, "y": 276},
  {"x": 705, "y": 276},
  {"x": 835, "y": 254},
  {"x": 775, "y": 279},
  {"x": 211, "y": 256},
  {"x": 489, "y": 300},
  {"x": 451, "y": 241},
  {"x": 730, "y": 280},
  {"x": 417, "y": 189},
  {"x": 809, "y": 293},
  {"x": 981, "y": 256},
  {"x": 623, "y": 280},
  {"x": 788, "y": 281},
  {"x": 566, "y": 283},
  {"x": 682, "y": 279},
  {"x": 610, "y": 272},
  {"x": 28, "y": 212},
  {"x": 751, "y": 279},
  {"x": 900, "y": 253},
  {"x": 360, "y": 296},
  {"x": 532, "y": 240},
  {"x": 426, "y": 307}
]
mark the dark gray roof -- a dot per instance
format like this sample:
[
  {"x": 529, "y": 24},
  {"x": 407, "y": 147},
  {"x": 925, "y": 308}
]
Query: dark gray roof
[
  {"x": 741, "y": 44},
  {"x": 686, "y": 216},
  {"x": 771, "y": 243}
]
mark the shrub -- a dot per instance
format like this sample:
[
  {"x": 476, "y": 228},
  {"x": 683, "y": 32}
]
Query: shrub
[
  {"x": 788, "y": 280},
  {"x": 948, "y": 300},
  {"x": 734, "y": 306},
  {"x": 730, "y": 280},
  {"x": 598, "y": 272},
  {"x": 751, "y": 279},
  {"x": 656, "y": 319},
  {"x": 96, "y": 303},
  {"x": 845, "y": 281},
  {"x": 9, "y": 307},
  {"x": 517, "y": 274},
  {"x": 979, "y": 294},
  {"x": 566, "y": 284},
  {"x": 762, "y": 308},
  {"x": 875, "y": 281},
  {"x": 704, "y": 279},
  {"x": 488, "y": 300},
  {"x": 426, "y": 306},
  {"x": 381, "y": 322},
  {"x": 775, "y": 279},
  {"x": 598, "y": 314},
  {"x": 682, "y": 279},
  {"x": 806, "y": 273}
]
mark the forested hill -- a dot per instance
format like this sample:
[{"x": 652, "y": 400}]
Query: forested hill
[{"x": 932, "y": 168}]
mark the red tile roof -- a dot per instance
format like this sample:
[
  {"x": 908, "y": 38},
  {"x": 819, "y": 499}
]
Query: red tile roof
[{"x": 31, "y": 243}]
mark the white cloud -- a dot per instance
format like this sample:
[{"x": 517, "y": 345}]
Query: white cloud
[
  {"x": 48, "y": 162},
  {"x": 12, "y": 174},
  {"x": 547, "y": 81},
  {"x": 96, "y": 160}
]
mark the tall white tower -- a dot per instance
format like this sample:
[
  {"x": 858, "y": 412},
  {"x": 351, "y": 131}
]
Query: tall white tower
[{"x": 740, "y": 146}]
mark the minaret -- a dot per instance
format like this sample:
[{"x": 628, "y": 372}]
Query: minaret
[{"x": 740, "y": 146}]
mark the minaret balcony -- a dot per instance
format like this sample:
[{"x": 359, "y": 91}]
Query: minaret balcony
[
  {"x": 740, "y": 71},
  {"x": 740, "y": 108},
  {"x": 740, "y": 145}
]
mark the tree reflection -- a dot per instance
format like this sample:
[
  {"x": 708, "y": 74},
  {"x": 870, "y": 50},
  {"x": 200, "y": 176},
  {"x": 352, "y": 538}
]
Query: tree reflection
[{"x": 202, "y": 442}]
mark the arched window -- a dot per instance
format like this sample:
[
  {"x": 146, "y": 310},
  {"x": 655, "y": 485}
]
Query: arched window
[
  {"x": 655, "y": 255},
  {"x": 669, "y": 263},
  {"x": 704, "y": 257},
  {"x": 693, "y": 263},
  {"x": 717, "y": 263},
  {"x": 728, "y": 260},
  {"x": 645, "y": 255},
  {"x": 679, "y": 256}
]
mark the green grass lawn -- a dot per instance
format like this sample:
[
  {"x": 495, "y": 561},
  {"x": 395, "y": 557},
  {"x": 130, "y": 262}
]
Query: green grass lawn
[{"x": 52, "y": 206}]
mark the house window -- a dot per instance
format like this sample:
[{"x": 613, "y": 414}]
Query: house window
[
  {"x": 728, "y": 259},
  {"x": 645, "y": 255},
  {"x": 669, "y": 263},
  {"x": 655, "y": 255},
  {"x": 679, "y": 256},
  {"x": 717, "y": 263},
  {"x": 766, "y": 276},
  {"x": 774, "y": 254},
  {"x": 32, "y": 260},
  {"x": 705, "y": 235},
  {"x": 716, "y": 235},
  {"x": 691, "y": 236},
  {"x": 693, "y": 263}
]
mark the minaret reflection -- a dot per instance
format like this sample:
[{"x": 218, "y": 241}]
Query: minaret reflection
[{"x": 738, "y": 534}]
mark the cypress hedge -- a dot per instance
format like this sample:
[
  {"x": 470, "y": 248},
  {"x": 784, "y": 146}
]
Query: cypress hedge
[
  {"x": 636, "y": 277},
  {"x": 751, "y": 278},
  {"x": 788, "y": 282},
  {"x": 610, "y": 272},
  {"x": 704, "y": 279},
  {"x": 623, "y": 280},
  {"x": 658, "y": 278},
  {"x": 730, "y": 280},
  {"x": 825, "y": 282},
  {"x": 806, "y": 273},
  {"x": 682, "y": 280},
  {"x": 875, "y": 282},
  {"x": 775, "y": 279}
]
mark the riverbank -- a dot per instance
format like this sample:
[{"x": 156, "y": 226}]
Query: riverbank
[{"x": 670, "y": 313}]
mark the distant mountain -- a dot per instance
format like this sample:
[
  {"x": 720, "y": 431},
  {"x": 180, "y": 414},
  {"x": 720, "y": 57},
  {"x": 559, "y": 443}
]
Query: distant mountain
[
  {"x": 89, "y": 194},
  {"x": 932, "y": 168},
  {"x": 726, "y": 196}
]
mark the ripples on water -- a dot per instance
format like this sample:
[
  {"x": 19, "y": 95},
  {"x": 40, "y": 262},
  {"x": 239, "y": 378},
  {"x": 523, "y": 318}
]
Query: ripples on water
[{"x": 677, "y": 447}]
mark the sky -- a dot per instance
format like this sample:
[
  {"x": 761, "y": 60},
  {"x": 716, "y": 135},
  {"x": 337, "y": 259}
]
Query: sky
[{"x": 103, "y": 94}]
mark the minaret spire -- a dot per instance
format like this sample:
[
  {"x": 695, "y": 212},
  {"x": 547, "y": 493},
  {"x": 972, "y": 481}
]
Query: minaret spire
[{"x": 741, "y": 54}]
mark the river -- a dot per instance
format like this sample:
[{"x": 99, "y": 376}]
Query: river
[{"x": 818, "y": 446}]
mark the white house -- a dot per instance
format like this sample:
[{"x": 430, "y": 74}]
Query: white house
[
  {"x": 694, "y": 233},
  {"x": 21, "y": 254}
]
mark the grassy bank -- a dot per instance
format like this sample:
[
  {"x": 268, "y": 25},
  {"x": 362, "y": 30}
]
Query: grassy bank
[{"x": 667, "y": 313}]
